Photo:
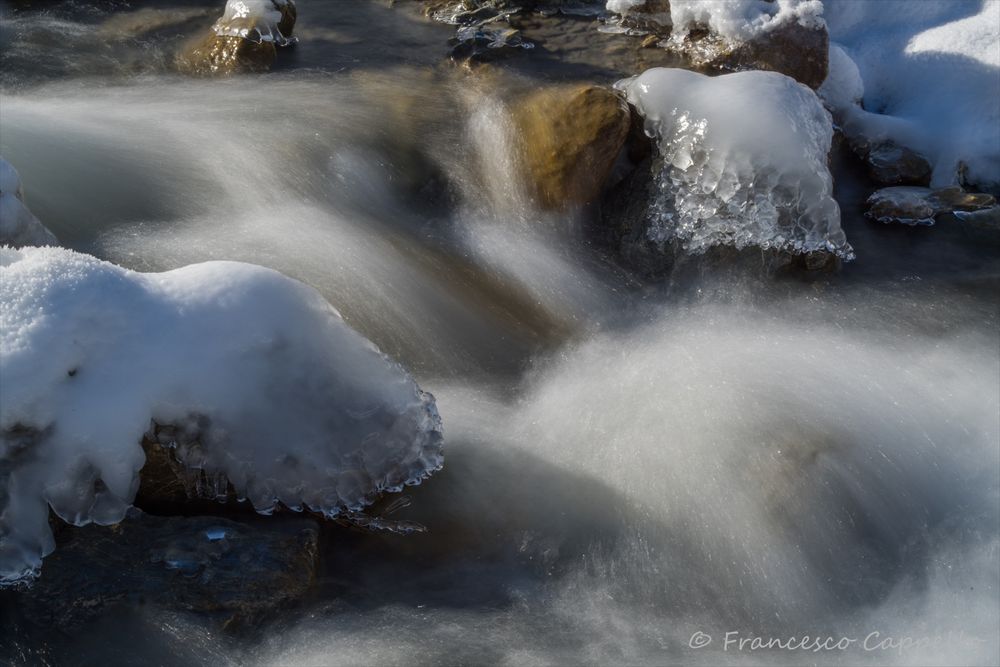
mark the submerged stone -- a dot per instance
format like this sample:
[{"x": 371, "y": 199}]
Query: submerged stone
[
  {"x": 892, "y": 164},
  {"x": 230, "y": 570},
  {"x": 910, "y": 205}
]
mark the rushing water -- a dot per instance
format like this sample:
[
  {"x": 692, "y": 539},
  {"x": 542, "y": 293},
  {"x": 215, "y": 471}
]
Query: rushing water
[{"x": 627, "y": 464}]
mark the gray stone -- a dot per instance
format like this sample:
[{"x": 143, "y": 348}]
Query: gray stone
[{"x": 233, "y": 571}]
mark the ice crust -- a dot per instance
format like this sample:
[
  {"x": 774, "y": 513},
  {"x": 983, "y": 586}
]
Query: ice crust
[
  {"x": 265, "y": 381},
  {"x": 18, "y": 226},
  {"x": 929, "y": 72},
  {"x": 744, "y": 161},
  {"x": 256, "y": 20}
]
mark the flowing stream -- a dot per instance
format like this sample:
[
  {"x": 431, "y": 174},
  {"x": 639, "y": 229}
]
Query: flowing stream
[{"x": 627, "y": 463}]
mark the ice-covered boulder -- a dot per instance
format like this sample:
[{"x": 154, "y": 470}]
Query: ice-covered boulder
[
  {"x": 927, "y": 74},
  {"x": 242, "y": 39},
  {"x": 273, "y": 391},
  {"x": 18, "y": 226},
  {"x": 742, "y": 162}
]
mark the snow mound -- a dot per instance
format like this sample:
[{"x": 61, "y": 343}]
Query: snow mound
[
  {"x": 18, "y": 226},
  {"x": 256, "y": 20},
  {"x": 744, "y": 161},
  {"x": 742, "y": 20},
  {"x": 843, "y": 86},
  {"x": 285, "y": 400},
  {"x": 624, "y": 6},
  {"x": 931, "y": 81}
]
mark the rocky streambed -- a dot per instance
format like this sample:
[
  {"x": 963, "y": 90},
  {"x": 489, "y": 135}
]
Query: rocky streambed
[{"x": 712, "y": 340}]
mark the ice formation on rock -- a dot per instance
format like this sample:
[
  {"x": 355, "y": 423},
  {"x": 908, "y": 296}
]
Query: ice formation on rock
[
  {"x": 744, "y": 161},
  {"x": 929, "y": 71},
  {"x": 742, "y": 20},
  {"x": 256, "y": 20},
  {"x": 624, "y": 6},
  {"x": 285, "y": 400},
  {"x": 18, "y": 226}
]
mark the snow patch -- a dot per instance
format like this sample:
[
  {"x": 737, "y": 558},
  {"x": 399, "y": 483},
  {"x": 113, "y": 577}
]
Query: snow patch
[
  {"x": 742, "y": 20},
  {"x": 273, "y": 389},
  {"x": 624, "y": 6},
  {"x": 930, "y": 71},
  {"x": 744, "y": 161},
  {"x": 843, "y": 86}
]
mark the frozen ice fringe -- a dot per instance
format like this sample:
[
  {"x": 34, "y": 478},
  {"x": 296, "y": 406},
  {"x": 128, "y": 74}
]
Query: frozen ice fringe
[{"x": 744, "y": 162}]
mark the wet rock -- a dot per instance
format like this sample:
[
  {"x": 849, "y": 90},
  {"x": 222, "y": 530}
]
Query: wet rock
[
  {"x": 792, "y": 49},
  {"x": 241, "y": 41},
  {"x": 167, "y": 486},
  {"x": 484, "y": 33},
  {"x": 443, "y": 10},
  {"x": 570, "y": 137},
  {"x": 234, "y": 572},
  {"x": 891, "y": 164},
  {"x": 986, "y": 219},
  {"x": 625, "y": 221},
  {"x": 911, "y": 205},
  {"x": 485, "y": 44},
  {"x": 651, "y": 16},
  {"x": 215, "y": 54},
  {"x": 18, "y": 226}
]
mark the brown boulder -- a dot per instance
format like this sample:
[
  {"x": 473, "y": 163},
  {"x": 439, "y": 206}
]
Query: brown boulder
[
  {"x": 791, "y": 49},
  {"x": 224, "y": 54},
  {"x": 570, "y": 137},
  {"x": 653, "y": 17}
]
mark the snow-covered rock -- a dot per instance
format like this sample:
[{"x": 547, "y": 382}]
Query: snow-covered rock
[
  {"x": 287, "y": 402},
  {"x": 242, "y": 40},
  {"x": 787, "y": 36},
  {"x": 743, "y": 20},
  {"x": 744, "y": 162},
  {"x": 929, "y": 74},
  {"x": 18, "y": 226},
  {"x": 258, "y": 21}
]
